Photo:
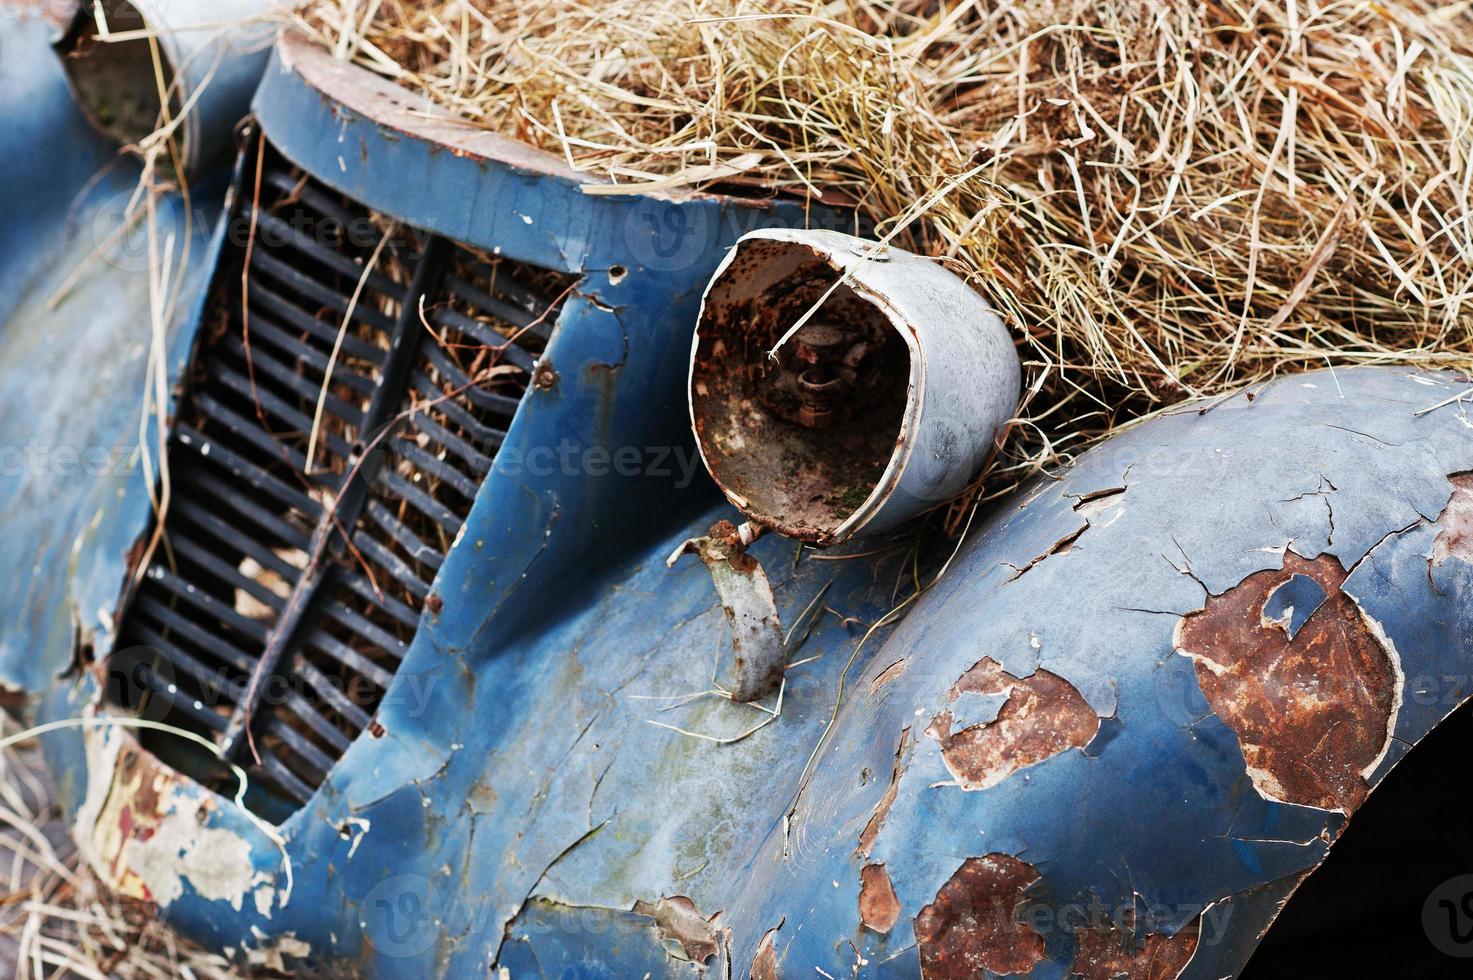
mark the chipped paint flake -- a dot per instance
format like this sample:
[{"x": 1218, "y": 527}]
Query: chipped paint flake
[
  {"x": 144, "y": 830},
  {"x": 1312, "y": 709},
  {"x": 680, "y": 922},
  {"x": 1455, "y": 540},
  {"x": 1040, "y": 716},
  {"x": 876, "y": 822},
  {"x": 764, "y": 964},
  {"x": 879, "y": 906}
]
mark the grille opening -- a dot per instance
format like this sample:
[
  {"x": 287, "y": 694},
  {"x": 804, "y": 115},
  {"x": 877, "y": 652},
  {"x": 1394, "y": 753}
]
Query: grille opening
[{"x": 269, "y": 620}]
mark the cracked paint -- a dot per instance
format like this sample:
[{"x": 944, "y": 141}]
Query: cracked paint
[
  {"x": 973, "y": 926},
  {"x": 1040, "y": 716},
  {"x": 876, "y": 822},
  {"x": 1313, "y": 710}
]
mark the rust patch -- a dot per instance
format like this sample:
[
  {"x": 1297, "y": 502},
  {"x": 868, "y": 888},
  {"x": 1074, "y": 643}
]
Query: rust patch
[
  {"x": 1312, "y": 710},
  {"x": 680, "y": 922},
  {"x": 973, "y": 924},
  {"x": 876, "y": 822},
  {"x": 1456, "y": 537},
  {"x": 1111, "y": 953},
  {"x": 1043, "y": 716},
  {"x": 886, "y": 676},
  {"x": 879, "y": 906},
  {"x": 764, "y": 964}
]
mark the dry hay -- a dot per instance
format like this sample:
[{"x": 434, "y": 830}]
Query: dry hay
[
  {"x": 56, "y": 920},
  {"x": 1168, "y": 198}
]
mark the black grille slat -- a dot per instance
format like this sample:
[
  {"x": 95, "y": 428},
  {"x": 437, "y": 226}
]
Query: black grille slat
[
  {"x": 361, "y": 587},
  {"x": 476, "y": 430},
  {"x": 207, "y": 678},
  {"x": 394, "y": 565},
  {"x": 406, "y": 539},
  {"x": 295, "y": 349},
  {"x": 250, "y": 432},
  {"x": 439, "y": 469},
  {"x": 179, "y": 701},
  {"x": 291, "y": 238},
  {"x": 489, "y": 401},
  {"x": 286, "y": 378},
  {"x": 206, "y": 603},
  {"x": 275, "y": 303},
  {"x": 366, "y": 628},
  {"x": 284, "y": 275},
  {"x": 316, "y": 571},
  {"x": 300, "y": 745},
  {"x": 421, "y": 501},
  {"x": 213, "y": 451},
  {"x": 226, "y": 572},
  {"x": 479, "y": 463},
  {"x": 278, "y": 773},
  {"x": 345, "y": 655},
  {"x": 335, "y": 699},
  {"x": 296, "y": 422},
  {"x": 263, "y": 518},
  {"x": 186, "y": 628}
]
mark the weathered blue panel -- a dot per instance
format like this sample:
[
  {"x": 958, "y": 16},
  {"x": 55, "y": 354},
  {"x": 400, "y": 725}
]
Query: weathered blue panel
[{"x": 550, "y": 763}]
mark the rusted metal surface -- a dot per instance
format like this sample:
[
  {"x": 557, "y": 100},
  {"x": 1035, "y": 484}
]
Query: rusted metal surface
[
  {"x": 764, "y": 964},
  {"x": 883, "y": 404},
  {"x": 1022, "y": 722},
  {"x": 1111, "y": 953},
  {"x": 879, "y": 908},
  {"x": 972, "y": 928},
  {"x": 1314, "y": 707}
]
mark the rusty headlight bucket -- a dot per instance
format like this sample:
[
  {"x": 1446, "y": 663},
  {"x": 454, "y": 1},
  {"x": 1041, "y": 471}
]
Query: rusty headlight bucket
[{"x": 884, "y": 403}]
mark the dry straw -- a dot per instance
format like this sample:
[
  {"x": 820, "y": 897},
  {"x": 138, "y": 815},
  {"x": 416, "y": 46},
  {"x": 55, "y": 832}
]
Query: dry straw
[{"x": 1167, "y": 197}]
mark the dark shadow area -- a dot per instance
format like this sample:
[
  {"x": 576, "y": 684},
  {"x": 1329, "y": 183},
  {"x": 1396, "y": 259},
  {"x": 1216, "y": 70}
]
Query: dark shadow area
[{"x": 1361, "y": 914}]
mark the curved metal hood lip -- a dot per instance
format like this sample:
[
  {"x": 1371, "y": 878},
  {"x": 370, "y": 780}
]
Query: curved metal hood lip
[{"x": 401, "y": 114}]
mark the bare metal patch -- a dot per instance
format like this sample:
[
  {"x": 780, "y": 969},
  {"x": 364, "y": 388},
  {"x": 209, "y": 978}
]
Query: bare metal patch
[
  {"x": 871, "y": 832},
  {"x": 1456, "y": 537},
  {"x": 1111, "y": 953},
  {"x": 879, "y": 906},
  {"x": 680, "y": 922},
  {"x": 973, "y": 926},
  {"x": 1313, "y": 709},
  {"x": 1042, "y": 716}
]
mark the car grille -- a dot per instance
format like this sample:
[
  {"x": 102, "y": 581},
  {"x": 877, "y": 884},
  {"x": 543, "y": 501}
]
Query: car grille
[{"x": 283, "y": 593}]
